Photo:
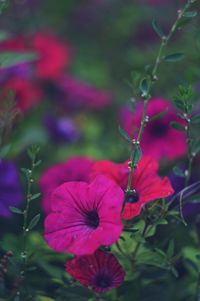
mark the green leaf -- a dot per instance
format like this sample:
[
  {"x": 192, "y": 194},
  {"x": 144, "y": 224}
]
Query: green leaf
[
  {"x": 144, "y": 87},
  {"x": 157, "y": 28},
  {"x": 38, "y": 163},
  {"x": 26, "y": 172},
  {"x": 136, "y": 155},
  {"x": 178, "y": 172},
  {"x": 177, "y": 126},
  {"x": 34, "y": 221},
  {"x": 170, "y": 250},
  {"x": 3, "y": 36},
  {"x": 8, "y": 59},
  {"x": 4, "y": 150},
  {"x": 16, "y": 210},
  {"x": 175, "y": 57},
  {"x": 195, "y": 147},
  {"x": 190, "y": 14},
  {"x": 35, "y": 196},
  {"x": 182, "y": 22},
  {"x": 159, "y": 115},
  {"x": 124, "y": 134},
  {"x": 195, "y": 119},
  {"x": 174, "y": 271}
]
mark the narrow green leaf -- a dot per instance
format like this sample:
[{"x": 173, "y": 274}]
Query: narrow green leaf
[
  {"x": 159, "y": 115},
  {"x": 136, "y": 155},
  {"x": 170, "y": 250},
  {"x": 177, "y": 126},
  {"x": 124, "y": 134},
  {"x": 8, "y": 59},
  {"x": 35, "y": 196},
  {"x": 16, "y": 210},
  {"x": 175, "y": 57},
  {"x": 196, "y": 147},
  {"x": 34, "y": 221},
  {"x": 144, "y": 87},
  {"x": 157, "y": 28},
  {"x": 178, "y": 172},
  {"x": 174, "y": 272},
  {"x": 190, "y": 14},
  {"x": 38, "y": 162},
  {"x": 195, "y": 119}
]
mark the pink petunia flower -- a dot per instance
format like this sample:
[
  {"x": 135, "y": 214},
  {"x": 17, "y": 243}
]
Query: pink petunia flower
[
  {"x": 74, "y": 169},
  {"x": 101, "y": 271},
  {"x": 84, "y": 216},
  {"x": 159, "y": 139},
  {"x": 147, "y": 186}
]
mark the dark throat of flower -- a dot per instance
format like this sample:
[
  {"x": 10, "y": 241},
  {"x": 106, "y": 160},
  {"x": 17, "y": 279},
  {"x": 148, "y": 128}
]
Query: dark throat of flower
[
  {"x": 103, "y": 281},
  {"x": 158, "y": 129},
  {"x": 132, "y": 197},
  {"x": 92, "y": 219}
]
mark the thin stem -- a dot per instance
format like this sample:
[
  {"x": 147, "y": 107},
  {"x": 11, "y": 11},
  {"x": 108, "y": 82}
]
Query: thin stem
[
  {"x": 25, "y": 215},
  {"x": 158, "y": 60},
  {"x": 24, "y": 255},
  {"x": 188, "y": 172},
  {"x": 134, "y": 253}
]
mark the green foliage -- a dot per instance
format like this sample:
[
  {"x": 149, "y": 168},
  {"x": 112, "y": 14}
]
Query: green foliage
[
  {"x": 183, "y": 99},
  {"x": 157, "y": 28}
]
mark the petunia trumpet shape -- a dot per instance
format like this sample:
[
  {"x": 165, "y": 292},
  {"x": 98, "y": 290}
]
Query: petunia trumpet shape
[
  {"x": 147, "y": 186},
  {"x": 101, "y": 271},
  {"x": 84, "y": 216}
]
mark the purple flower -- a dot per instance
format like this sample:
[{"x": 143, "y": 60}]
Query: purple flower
[
  {"x": 10, "y": 187},
  {"x": 61, "y": 130},
  {"x": 23, "y": 70},
  {"x": 78, "y": 94}
]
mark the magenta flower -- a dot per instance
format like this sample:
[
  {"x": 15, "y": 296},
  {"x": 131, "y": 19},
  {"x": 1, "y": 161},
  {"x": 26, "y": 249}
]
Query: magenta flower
[
  {"x": 100, "y": 271},
  {"x": 84, "y": 216},
  {"x": 159, "y": 139},
  {"x": 74, "y": 169}
]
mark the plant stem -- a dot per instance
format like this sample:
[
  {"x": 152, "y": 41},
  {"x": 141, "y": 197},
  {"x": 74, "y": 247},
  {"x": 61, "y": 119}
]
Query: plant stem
[
  {"x": 134, "y": 253},
  {"x": 24, "y": 254},
  {"x": 190, "y": 155},
  {"x": 158, "y": 60}
]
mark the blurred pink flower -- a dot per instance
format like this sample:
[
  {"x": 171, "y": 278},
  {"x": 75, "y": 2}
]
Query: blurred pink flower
[
  {"x": 159, "y": 139},
  {"x": 54, "y": 55},
  {"x": 27, "y": 93},
  {"x": 74, "y": 169},
  {"x": 84, "y": 216}
]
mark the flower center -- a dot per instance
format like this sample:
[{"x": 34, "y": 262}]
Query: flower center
[
  {"x": 158, "y": 129},
  {"x": 92, "y": 219},
  {"x": 133, "y": 198},
  {"x": 102, "y": 281}
]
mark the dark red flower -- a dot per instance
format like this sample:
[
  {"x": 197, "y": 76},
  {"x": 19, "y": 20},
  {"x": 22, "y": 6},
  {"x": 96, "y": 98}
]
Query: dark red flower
[
  {"x": 100, "y": 271},
  {"x": 147, "y": 186}
]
